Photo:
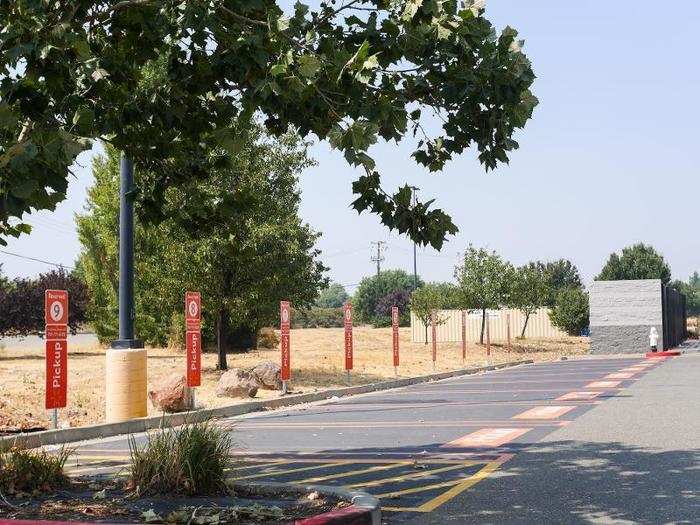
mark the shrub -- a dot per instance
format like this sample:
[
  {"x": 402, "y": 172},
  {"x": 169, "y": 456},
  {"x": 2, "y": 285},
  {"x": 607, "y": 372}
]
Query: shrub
[
  {"x": 267, "y": 338},
  {"x": 382, "y": 312},
  {"x": 373, "y": 289},
  {"x": 334, "y": 296},
  {"x": 27, "y": 470},
  {"x": 190, "y": 460},
  {"x": 570, "y": 312},
  {"x": 176, "y": 332},
  {"x": 318, "y": 318}
]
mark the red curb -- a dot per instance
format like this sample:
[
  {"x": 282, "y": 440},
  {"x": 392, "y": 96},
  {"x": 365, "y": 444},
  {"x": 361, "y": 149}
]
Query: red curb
[
  {"x": 42, "y": 522},
  {"x": 351, "y": 515},
  {"x": 667, "y": 353}
]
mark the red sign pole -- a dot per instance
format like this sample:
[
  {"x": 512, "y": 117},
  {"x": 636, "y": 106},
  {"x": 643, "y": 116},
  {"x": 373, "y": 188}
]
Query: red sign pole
[
  {"x": 464, "y": 336},
  {"x": 395, "y": 337},
  {"x": 433, "y": 331},
  {"x": 193, "y": 341},
  {"x": 285, "y": 322},
  {"x": 347, "y": 316},
  {"x": 56, "y": 335}
]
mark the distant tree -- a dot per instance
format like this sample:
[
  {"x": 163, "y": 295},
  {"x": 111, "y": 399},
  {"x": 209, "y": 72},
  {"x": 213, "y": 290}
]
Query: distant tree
[
  {"x": 570, "y": 312},
  {"x": 484, "y": 282},
  {"x": 528, "y": 291},
  {"x": 639, "y": 261},
  {"x": 559, "y": 275},
  {"x": 399, "y": 298},
  {"x": 691, "y": 290},
  {"x": 4, "y": 281},
  {"x": 376, "y": 287},
  {"x": 22, "y": 303},
  {"x": 426, "y": 301},
  {"x": 334, "y": 296}
]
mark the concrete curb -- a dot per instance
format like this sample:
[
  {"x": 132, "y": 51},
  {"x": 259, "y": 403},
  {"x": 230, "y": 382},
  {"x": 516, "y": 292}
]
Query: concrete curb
[
  {"x": 136, "y": 426},
  {"x": 364, "y": 508}
]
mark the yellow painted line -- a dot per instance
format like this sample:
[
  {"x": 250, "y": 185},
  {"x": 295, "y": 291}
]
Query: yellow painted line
[
  {"x": 457, "y": 487},
  {"x": 261, "y": 465},
  {"x": 354, "y": 472},
  {"x": 414, "y": 475},
  {"x": 96, "y": 469},
  {"x": 291, "y": 471}
]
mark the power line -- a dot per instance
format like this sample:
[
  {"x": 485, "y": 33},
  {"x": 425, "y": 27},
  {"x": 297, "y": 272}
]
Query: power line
[{"x": 58, "y": 265}]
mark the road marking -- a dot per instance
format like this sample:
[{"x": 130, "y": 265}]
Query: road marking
[
  {"x": 291, "y": 471},
  {"x": 354, "y": 472},
  {"x": 487, "y": 437},
  {"x": 408, "y": 477},
  {"x": 619, "y": 375},
  {"x": 382, "y": 424},
  {"x": 458, "y": 486},
  {"x": 544, "y": 412},
  {"x": 603, "y": 384},
  {"x": 579, "y": 395}
]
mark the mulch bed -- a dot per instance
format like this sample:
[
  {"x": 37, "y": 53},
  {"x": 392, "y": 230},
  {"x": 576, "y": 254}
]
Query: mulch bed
[{"x": 109, "y": 501}]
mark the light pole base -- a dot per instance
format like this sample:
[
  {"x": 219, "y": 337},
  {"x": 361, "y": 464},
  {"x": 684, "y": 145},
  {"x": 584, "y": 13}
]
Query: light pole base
[
  {"x": 126, "y": 384},
  {"x": 126, "y": 344}
]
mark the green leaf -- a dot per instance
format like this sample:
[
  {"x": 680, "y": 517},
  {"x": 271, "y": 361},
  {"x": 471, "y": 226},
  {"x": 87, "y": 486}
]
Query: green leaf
[
  {"x": 278, "y": 69},
  {"x": 24, "y": 189},
  {"x": 282, "y": 24},
  {"x": 7, "y": 117},
  {"x": 309, "y": 65}
]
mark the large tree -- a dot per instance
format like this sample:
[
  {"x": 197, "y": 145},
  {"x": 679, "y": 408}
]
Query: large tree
[
  {"x": 253, "y": 251},
  {"x": 559, "y": 275},
  {"x": 334, "y": 296},
  {"x": 484, "y": 281},
  {"x": 691, "y": 290},
  {"x": 350, "y": 73},
  {"x": 639, "y": 261}
]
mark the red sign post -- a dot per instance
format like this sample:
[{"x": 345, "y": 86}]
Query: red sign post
[
  {"x": 347, "y": 317},
  {"x": 434, "y": 334},
  {"x": 285, "y": 323},
  {"x": 193, "y": 339},
  {"x": 395, "y": 334},
  {"x": 56, "y": 335},
  {"x": 464, "y": 335}
]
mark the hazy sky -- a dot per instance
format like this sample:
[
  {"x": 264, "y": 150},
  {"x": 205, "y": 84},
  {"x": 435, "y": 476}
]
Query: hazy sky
[{"x": 609, "y": 159}]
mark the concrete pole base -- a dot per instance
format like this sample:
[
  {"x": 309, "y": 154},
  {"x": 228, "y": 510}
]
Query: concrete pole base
[{"x": 126, "y": 384}]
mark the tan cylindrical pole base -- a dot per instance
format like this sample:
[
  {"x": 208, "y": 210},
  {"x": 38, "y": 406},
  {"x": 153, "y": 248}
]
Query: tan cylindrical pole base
[{"x": 126, "y": 384}]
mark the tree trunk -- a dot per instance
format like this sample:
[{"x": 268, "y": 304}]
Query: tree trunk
[
  {"x": 527, "y": 318},
  {"x": 426, "y": 332},
  {"x": 221, "y": 343},
  {"x": 483, "y": 325}
]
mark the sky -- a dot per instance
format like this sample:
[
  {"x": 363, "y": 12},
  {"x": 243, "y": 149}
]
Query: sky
[{"x": 609, "y": 158}]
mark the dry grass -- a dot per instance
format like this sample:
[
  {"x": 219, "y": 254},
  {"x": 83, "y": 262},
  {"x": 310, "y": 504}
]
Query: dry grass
[{"x": 317, "y": 363}]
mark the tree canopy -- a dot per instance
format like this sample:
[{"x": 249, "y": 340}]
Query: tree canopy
[
  {"x": 571, "y": 311},
  {"x": 22, "y": 302},
  {"x": 484, "y": 280},
  {"x": 254, "y": 251},
  {"x": 638, "y": 261},
  {"x": 559, "y": 275},
  {"x": 528, "y": 290},
  {"x": 383, "y": 288},
  {"x": 350, "y": 73},
  {"x": 334, "y": 296}
]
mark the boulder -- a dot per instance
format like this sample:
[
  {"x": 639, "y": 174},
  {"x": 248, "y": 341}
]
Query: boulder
[
  {"x": 268, "y": 375},
  {"x": 237, "y": 383},
  {"x": 171, "y": 394}
]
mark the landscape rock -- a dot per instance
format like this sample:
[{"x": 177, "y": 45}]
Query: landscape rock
[
  {"x": 171, "y": 394},
  {"x": 268, "y": 375},
  {"x": 237, "y": 383}
]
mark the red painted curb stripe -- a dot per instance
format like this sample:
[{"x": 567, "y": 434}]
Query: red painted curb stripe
[{"x": 346, "y": 516}]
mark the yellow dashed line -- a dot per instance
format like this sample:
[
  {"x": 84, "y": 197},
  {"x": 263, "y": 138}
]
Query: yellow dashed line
[
  {"x": 354, "y": 472},
  {"x": 414, "y": 475}
]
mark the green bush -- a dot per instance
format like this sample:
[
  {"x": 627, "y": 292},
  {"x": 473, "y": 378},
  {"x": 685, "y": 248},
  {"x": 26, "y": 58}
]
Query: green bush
[
  {"x": 27, "y": 470},
  {"x": 334, "y": 296},
  {"x": 570, "y": 312},
  {"x": 191, "y": 460},
  {"x": 318, "y": 318},
  {"x": 373, "y": 289}
]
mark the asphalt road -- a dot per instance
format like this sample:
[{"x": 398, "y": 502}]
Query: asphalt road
[{"x": 578, "y": 441}]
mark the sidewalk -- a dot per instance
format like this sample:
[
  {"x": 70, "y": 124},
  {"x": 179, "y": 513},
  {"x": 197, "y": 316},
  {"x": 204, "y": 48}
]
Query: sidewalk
[{"x": 632, "y": 459}]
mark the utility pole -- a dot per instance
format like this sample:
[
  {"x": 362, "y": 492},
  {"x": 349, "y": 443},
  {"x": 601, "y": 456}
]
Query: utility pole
[
  {"x": 415, "y": 189},
  {"x": 379, "y": 258}
]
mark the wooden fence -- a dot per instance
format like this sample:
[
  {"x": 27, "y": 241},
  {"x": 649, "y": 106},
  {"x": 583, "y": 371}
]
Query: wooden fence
[{"x": 450, "y": 330}]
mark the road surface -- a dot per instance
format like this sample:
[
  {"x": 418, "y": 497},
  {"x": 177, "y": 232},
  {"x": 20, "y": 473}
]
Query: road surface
[{"x": 578, "y": 441}]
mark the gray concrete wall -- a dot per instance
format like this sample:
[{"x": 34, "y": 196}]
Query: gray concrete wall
[{"x": 622, "y": 312}]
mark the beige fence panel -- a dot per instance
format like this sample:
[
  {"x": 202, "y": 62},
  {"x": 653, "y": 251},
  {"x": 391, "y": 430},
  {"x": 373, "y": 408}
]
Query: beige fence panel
[{"x": 538, "y": 327}]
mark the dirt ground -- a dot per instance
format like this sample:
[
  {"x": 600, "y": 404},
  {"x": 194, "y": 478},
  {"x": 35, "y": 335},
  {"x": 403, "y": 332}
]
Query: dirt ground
[{"x": 316, "y": 357}]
